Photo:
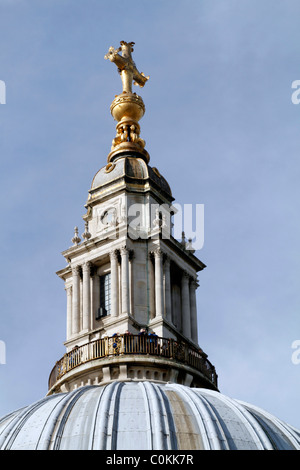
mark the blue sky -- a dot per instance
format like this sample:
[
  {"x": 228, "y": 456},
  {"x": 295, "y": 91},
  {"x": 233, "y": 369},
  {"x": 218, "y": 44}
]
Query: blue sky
[{"x": 219, "y": 125}]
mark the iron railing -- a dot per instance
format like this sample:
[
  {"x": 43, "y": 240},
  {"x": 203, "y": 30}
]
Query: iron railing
[{"x": 127, "y": 344}]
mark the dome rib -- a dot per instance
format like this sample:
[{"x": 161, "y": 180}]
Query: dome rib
[
  {"x": 95, "y": 419},
  {"x": 101, "y": 438},
  {"x": 163, "y": 426},
  {"x": 265, "y": 419},
  {"x": 215, "y": 423},
  {"x": 61, "y": 427},
  {"x": 141, "y": 415},
  {"x": 147, "y": 415},
  {"x": 169, "y": 425},
  {"x": 20, "y": 421},
  {"x": 112, "y": 421},
  {"x": 257, "y": 434},
  {"x": 238, "y": 431},
  {"x": 263, "y": 440},
  {"x": 203, "y": 418},
  {"x": 44, "y": 441}
]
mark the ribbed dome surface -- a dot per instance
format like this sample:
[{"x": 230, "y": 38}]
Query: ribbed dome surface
[
  {"x": 133, "y": 168},
  {"x": 144, "y": 416}
]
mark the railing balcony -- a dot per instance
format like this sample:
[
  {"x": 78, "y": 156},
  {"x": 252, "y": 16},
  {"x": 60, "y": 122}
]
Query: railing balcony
[{"x": 127, "y": 344}]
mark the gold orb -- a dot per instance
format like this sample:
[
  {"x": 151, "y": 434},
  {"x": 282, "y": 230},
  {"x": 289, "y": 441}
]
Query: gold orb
[{"x": 128, "y": 106}]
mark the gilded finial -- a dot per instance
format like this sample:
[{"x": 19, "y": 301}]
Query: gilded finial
[
  {"x": 126, "y": 66},
  {"x": 127, "y": 108}
]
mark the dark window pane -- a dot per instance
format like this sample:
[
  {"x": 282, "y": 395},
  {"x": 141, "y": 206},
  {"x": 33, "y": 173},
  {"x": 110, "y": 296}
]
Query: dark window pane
[{"x": 105, "y": 296}]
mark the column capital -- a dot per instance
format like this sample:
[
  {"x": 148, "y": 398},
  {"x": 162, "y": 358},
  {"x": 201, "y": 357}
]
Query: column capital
[
  {"x": 86, "y": 267},
  {"x": 158, "y": 253},
  {"x": 124, "y": 250},
  {"x": 76, "y": 270},
  {"x": 113, "y": 255},
  {"x": 185, "y": 276}
]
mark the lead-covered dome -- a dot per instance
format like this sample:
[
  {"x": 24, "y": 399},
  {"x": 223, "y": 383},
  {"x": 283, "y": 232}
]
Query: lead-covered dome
[
  {"x": 134, "y": 170},
  {"x": 144, "y": 415}
]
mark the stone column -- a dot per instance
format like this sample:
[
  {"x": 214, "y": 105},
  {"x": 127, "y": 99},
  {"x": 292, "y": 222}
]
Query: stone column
[
  {"x": 168, "y": 298},
  {"x": 193, "y": 304},
  {"x": 185, "y": 305},
  {"x": 119, "y": 293},
  {"x": 114, "y": 283},
  {"x": 86, "y": 296},
  {"x": 76, "y": 300},
  {"x": 159, "y": 296},
  {"x": 125, "y": 279},
  {"x": 131, "y": 282},
  {"x": 69, "y": 311},
  {"x": 96, "y": 294},
  {"x": 151, "y": 286}
]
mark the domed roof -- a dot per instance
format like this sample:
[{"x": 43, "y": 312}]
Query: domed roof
[
  {"x": 132, "y": 168},
  {"x": 141, "y": 415}
]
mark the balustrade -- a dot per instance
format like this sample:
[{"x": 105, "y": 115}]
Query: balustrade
[{"x": 117, "y": 345}]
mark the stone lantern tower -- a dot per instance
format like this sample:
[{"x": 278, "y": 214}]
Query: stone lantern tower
[
  {"x": 130, "y": 285},
  {"x": 133, "y": 376}
]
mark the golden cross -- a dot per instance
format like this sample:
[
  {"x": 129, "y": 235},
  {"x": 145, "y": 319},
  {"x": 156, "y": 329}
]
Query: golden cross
[{"x": 126, "y": 66}]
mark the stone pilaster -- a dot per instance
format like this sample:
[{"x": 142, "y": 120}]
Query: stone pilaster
[
  {"x": 86, "y": 296},
  {"x": 168, "y": 298},
  {"x": 131, "y": 281},
  {"x": 76, "y": 300},
  {"x": 114, "y": 283},
  {"x": 125, "y": 279},
  {"x": 151, "y": 286},
  {"x": 69, "y": 311},
  {"x": 95, "y": 293},
  {"x": 185, "y": 305},
  {"x": 193, "y": 306},
  {"x": 159, "y": 295}
]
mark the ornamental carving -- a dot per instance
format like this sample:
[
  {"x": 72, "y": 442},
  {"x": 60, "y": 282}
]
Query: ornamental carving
[
  {"x": 113, "y": 255},
  {"x": 158, "y": 253},
  {"x": 76, "y": 239},
  {"x": 127, "y": 108},
  {"x": 76, "y": 270},
  {"x": 86, "y": 267},
  {"x": 124, "y": 250},
  {"x": 114, "y": 345},
  {"x": 128, "y": 133},
  {"x": 86, "y": 234}
]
